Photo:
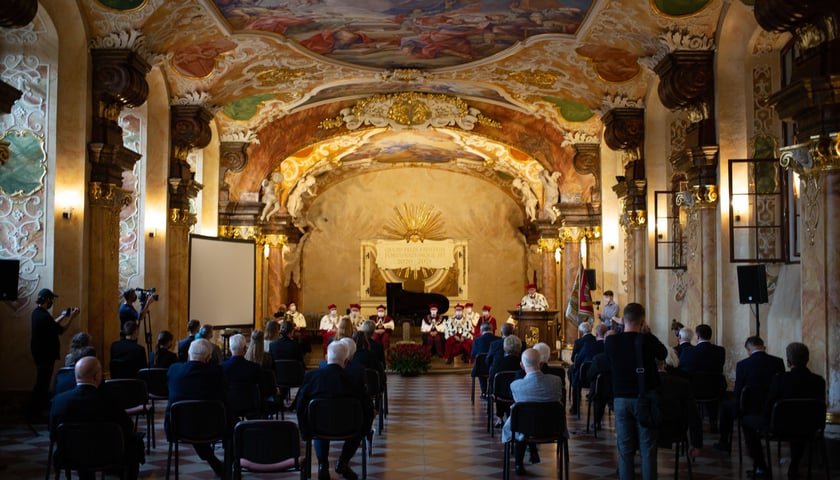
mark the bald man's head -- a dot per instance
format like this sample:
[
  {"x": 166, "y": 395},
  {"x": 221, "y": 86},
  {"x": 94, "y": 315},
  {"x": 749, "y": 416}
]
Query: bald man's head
[
  {"x": 88, "y": 371},
  {"x": 530, "y": 360}
]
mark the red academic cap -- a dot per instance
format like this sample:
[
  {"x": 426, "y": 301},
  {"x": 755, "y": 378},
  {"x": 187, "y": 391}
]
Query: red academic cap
[
  {"x": 486, "y": 307},
  {"x": 432, "y": 305},
  {"x": 459, "y": 306},
  {"x": 381, "y": 307},
  {"x": 356, "y": 306},
  {"x": 530, "y": 286},
  {"x": 331, "y": 306},
  {"x": 469, "y": 304}
]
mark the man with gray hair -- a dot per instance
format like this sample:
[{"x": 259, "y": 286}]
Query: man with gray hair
[
  {"x": 236, "y": 368},
  {"x": 586, "y": 339},
  {"x": 535, "y": 387},
  {"x": 197, "y": 379},
  {"x": 330, "y": 382},
  {"x": 686, "y": 335}
]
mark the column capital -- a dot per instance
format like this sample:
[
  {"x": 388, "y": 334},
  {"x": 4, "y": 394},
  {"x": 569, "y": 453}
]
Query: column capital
[
  {"x": 17, "y": 13},
  {"x": 624, "y": 128},
  {"x": 820, "y": 153},
  {"x": 109, "y": 161},
  {"x": 108, "y": 195},
  {"x": 687, "y": 81},
  {"x": 119, "y": 81}
]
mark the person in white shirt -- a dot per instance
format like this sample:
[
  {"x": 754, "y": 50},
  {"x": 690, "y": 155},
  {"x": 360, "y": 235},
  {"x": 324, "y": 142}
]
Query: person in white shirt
[
  {"x": 533, "y": 300},
  {"x": 458, "y": 336},
  {"x": 356, "y": 317},
  {"x": 329, "y": 325}
]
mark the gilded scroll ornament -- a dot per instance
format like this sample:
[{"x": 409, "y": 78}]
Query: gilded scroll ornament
[
  {"x": 416, "y": 223},
  {"x": 410, "y": 110},
  {"x": 273, "y": 76},
  {"x": 181, "y": 217},
  {"x": 535, "y": 78}
]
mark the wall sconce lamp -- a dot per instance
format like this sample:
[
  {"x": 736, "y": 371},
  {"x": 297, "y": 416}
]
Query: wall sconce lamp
[
  {"x": 153, "y": 233},
  {"x": 67, "y": 214},
  {"x": 739, "y": 207}
]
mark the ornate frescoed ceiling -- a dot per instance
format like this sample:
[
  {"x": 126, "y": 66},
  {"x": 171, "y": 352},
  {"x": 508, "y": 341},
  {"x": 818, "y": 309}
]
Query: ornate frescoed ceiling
[{"x": 277, "y": 73}]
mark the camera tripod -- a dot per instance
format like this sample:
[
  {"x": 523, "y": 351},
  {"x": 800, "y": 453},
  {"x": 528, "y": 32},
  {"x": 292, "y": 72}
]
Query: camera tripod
[{"x": 147, "y": 331}]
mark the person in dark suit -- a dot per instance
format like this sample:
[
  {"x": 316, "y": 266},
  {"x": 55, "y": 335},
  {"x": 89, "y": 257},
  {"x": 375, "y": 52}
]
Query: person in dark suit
[
  {"x": 705, "y": 357},
  {"x": 184, "y": 345},
  {"x": 236, "y": 368},
  {"x": 85, "y": 403},
  {"x": 585, "y": 329},
  {"x": 482, "y": 345},
  {"x": 196, "y": 379},
  {"x": 496, "y": 348},
  {"x": 378, "y": 350},
  {"x": 679, "y": 410},
  {"x": 600, "y": 366},
  {"x": 686, "y": 335},
  {"x": 510, "y": 361},
  {"x": 799, "y": 382},
  {"x": 587, "y": 352},
  {"x": 285, "y": 347},
  {"x": 127, "y": 357},
  {"x": 756, "y": 371},
  {"x": 332, "y": 381}
]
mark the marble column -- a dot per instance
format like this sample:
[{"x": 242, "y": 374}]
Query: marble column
[
  {"x": 570, "y": 268},
  {"x": 190, "y": 127},
  {"x": 119, "y": 81}
]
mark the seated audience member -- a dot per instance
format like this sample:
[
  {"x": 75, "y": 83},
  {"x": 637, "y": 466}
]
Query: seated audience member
[
  {"x": 86, "y": 404},
  {"x": 587, "y": 352},
  {"x": 206, "y": 332},
  {"x": 600, "y": 366},
  {"x": 355, "y": 370},
  {"x": 510, "y": 361},
  {"x": 705, "y": 357},
  {"x": 496, "y": 349},
  {"x": 585, "y": 330},
  {"x": 756, "y": 372},
  {"x": 197, "y": 379},
  {"x": 679, "y": 411},
  {"x": 344, "y": 329},
  {"x": 127, "y": 353},
  {"x": 364, "y": 355},
  {"x": 255, "y": 352},
  {"x": 164, "y": 357},
  {"x": 799, "y": 382},
  {"x": 184, "y": 345},
  {"x": 383, "y": 327},
  {"x": 285, "y": 348},
  {"x": 237, "y": 369},
  {"x": 378, "y": 350},
  {"x": 482, "y": 345},
  {"x": 534, "y": 387},
  {"x": 685, "y": 336},
  {"x": 79, "y": 347},
  {"x": 545, "y": 355},
  {"x": 272, "y": 332},
  {"x": 332, "y": 381}
]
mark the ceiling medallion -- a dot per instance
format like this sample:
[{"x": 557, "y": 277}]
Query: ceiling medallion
[
  {"x": 416, "y": 223},
  {"x": 272, "y": 76},
  {"x": 410, "y": 110}
]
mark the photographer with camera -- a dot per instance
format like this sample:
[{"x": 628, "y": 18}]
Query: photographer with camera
[{"x": 127, "y": 310}]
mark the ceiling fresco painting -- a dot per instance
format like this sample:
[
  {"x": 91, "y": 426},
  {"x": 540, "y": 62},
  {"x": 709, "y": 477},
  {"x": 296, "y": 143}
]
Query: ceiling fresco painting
[{"x": 407, "y": 34}]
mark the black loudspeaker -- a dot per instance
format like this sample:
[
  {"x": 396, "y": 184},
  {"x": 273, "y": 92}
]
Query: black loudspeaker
[
  {"x": 9, "y": 272},
  {"x": 590, "y": 278},
  {"x": 752, "y": 284}
]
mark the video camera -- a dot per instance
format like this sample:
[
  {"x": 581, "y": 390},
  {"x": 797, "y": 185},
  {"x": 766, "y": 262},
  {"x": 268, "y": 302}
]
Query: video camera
[{"x": 143, "y": 294}]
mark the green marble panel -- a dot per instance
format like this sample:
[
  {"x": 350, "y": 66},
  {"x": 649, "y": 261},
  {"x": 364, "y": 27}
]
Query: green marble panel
[{"x": 23, "y": 173}]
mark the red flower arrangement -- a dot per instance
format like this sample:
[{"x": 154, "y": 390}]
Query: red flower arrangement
[{"x": 410, "y": 358}]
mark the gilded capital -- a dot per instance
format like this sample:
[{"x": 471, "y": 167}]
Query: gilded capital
[
  {"x": 549, "y": 244},
  {"x": 820, "y": 153},
  {"x": 180, "y": 217},
  {"x": 240, "y": 232}
]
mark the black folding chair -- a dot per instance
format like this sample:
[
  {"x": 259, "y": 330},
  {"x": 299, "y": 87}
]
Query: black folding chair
[
  {"x": 480, "y": 371},
  {"x": 265, "y": 446},
  {"x": 582, "y": 382},
  {"x": 374, "y": 389},
  {"x": 708, "y": 389},
  {"x": 289, "y": 375},
  {"x": 600, "y": 394},
  {"x": 156, "y": 384},
  {"x": 751, "y": 403},
  {"x": 131, "y": 395},
  {"x": 121, "y": 369},
  {"x": 90, "y": 447},
  {"x": 501, "y": 393},
  {"x": 272, "y": 403},
  {"x": 798, "y": 420},
  {"x": 194, "y": 421},
  {"x": 243, "y": 400},
  {"x": 539, "y": 422},
  {"x": 65, "y": 379},
  {"x": 334, "y": 419}
]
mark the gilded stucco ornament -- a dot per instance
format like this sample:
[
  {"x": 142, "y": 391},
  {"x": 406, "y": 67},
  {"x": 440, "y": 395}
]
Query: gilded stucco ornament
[
  {"x": 416, "y": 223},
  {"x": 410, "y": 110},
  {"x": 549, "y": 244},
  {"x": 273, "y": 76}
]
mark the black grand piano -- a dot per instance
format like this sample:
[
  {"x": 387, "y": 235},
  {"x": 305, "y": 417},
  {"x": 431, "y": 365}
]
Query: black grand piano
[{"x": 413, "y": 306}]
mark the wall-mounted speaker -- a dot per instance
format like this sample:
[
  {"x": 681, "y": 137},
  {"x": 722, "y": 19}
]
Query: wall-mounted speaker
[
  {"x": 752, "y": 284},
  {"x": 9, "y": 273}
]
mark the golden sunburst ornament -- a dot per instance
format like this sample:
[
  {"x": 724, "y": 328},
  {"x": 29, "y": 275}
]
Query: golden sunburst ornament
[{"x": 416, "y": 223}]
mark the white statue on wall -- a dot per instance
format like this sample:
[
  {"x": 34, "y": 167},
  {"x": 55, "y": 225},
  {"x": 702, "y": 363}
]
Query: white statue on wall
[
  {"x": 527, "y": 197},
  {"x": 305, "y": 186},
  {"x": 552, "y": 194},
  {"x": 271, "y": 188}
]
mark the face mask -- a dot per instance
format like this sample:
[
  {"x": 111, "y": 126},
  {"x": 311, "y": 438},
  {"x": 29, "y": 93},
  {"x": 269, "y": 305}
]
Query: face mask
[
  {"x": 293, "y": 309},
  {"x": 380, "y": 314},
  {"x": 354, "y": 313},
  {"x": 469, "y": 311},
  {"x": 485, "y": 313},
  {"x": 458, "y": 314},
  {"x": 332, "y": 313},
  {"x": 434, "y": 313}
]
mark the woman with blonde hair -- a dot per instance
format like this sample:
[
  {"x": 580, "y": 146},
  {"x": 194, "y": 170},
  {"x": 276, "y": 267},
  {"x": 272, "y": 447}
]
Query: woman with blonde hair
[
  {"x": 272, "y": 333},
  {"x": 345, "y": 329},
  {"x": 256, "y": 352}
]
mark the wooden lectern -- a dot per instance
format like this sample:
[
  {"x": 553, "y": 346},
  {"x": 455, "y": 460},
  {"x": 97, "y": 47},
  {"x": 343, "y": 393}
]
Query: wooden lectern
[{"x": 533, "y": 326}]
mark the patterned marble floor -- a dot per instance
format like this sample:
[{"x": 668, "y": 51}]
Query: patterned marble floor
[{"x": 432, "y": 432}]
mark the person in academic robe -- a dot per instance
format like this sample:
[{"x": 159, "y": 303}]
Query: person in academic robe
[
  {"x": 329, "y": 325},
  {"x": 432, "y": 330},
  {"x": 300, "y": 334},
  {"x": 485, "y": 317},
  {"x": 458, "y": 333},
  {"x": 533, "y": 300},
  {"x": 384, "y": 327}
]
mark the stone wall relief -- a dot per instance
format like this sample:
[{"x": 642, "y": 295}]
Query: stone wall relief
[
  {"x": 24, "y": 187},
  {"x": 133, "y": 126}
]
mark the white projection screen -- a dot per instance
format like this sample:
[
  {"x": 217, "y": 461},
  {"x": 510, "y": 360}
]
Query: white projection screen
[{"x": 222, "y": 281}]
